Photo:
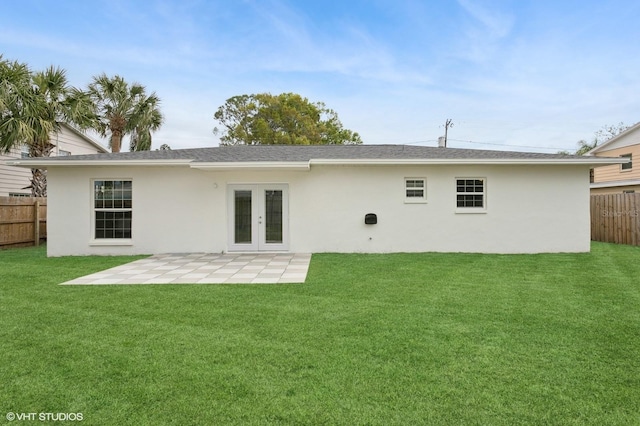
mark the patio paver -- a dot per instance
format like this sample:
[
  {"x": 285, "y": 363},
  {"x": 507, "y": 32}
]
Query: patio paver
[{"x": 205, "y": 268}]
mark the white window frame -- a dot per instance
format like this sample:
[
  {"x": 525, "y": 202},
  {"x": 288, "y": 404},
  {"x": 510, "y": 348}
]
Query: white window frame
[
  {"x": 415, "y": 199},
  {"x": 470, "y": 209},
  {"x": 109, "y": 241},
  {"x": 24, "y": 151},
  {"x": 627, "y": 167}
]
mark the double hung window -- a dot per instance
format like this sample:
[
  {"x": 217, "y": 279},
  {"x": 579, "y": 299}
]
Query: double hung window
[
  {"x": 471, "y": 193},
  {"x": 112, "y": 203}
]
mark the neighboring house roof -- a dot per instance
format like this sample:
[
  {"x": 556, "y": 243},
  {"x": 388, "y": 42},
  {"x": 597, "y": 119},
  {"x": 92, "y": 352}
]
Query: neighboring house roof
[
  {"x": 88, "y": 139},
  {"x": 613, "y": 142},
  {"x": 615, "y": 183},
  {"x": 304, "y": 156}
]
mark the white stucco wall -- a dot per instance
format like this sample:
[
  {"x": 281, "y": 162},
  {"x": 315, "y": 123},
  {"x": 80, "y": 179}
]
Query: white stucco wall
[{"x": 530, "y": 209}]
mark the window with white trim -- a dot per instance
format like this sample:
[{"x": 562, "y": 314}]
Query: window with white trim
[
  {"x": 112, "y": 203},
  {"x": 471, "y": 193},
  {"x": 415, "y": 190},
  {"x": 629, "y": 165},
  {"x": 24, "y": 151}
]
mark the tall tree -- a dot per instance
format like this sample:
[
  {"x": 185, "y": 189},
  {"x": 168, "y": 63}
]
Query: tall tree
[
  {"x": 122, "y": 109},
  {"x": 32, "y": 106},
  {"x": 285, "y": 119},
  {"x": 604, "y": 134},
  {"x": 20, "y": 121},
  {"x": 608, "y": 131},
  {"x": 584, "y": 146}
]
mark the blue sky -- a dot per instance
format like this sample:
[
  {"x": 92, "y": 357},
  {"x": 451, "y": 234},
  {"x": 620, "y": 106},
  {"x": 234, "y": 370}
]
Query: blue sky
[{"x": 531, "y": 75}]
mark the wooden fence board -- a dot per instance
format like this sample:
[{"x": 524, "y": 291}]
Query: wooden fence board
[
  {"x": 615, "y": 218},
  {"x": 23, "y": 221}
]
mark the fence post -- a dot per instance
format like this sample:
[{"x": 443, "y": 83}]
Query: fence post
[{"x": 36, "y": 224}]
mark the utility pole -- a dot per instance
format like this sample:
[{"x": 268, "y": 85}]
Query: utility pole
[{"x": 447, "y": 124}]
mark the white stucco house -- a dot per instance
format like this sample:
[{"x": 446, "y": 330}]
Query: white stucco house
[
  {"x": 67, "y": 141},
  {"x": 354, "y": 198}
]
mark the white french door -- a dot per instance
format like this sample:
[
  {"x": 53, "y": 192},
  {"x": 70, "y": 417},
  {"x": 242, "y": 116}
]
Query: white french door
[{"x": 258, "y": 217}]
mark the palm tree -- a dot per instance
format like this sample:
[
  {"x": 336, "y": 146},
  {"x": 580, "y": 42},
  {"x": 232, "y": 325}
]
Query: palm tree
[
  {"x": 51, "y": 88},
  {"x": 32, "y": 106},
  {"x": 123, "y": 109},
  {"x": 21, "y": 120},
  {"x": 150, "y": 119}
]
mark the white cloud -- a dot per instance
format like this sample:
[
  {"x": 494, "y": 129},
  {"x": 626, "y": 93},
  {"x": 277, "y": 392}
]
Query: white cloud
[
  {"x": 482, "y": 36},
  {"x": 496, "y": 23}
]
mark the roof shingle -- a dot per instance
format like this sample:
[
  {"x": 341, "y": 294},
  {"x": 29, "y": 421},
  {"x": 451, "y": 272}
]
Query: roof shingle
[{"x": 301, "y": 153}]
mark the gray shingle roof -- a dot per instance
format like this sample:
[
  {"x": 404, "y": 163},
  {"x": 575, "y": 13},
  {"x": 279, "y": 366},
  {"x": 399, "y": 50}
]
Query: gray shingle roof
[{"x": 302, "y": 153}]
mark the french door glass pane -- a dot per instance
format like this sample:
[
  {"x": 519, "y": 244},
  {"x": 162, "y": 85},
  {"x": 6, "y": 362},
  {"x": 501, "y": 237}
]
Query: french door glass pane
[
  {"x": 273, "y": 216},
  {"x": 242, "y": 217}
]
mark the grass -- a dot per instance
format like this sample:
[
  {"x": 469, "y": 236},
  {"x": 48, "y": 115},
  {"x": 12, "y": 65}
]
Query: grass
[{"x": 464, "y": 339}]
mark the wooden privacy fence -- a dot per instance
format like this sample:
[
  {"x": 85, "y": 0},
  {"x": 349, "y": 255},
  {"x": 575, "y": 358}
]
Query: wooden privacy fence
[
  {"x": 615, "y": 218},
  {"x": 23, "y": 221}
]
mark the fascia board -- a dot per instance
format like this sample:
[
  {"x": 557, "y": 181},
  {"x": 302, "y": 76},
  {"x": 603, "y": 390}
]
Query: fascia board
[
  {"x": 305, "y": 165},
  {"x": 489, "y": 161}
]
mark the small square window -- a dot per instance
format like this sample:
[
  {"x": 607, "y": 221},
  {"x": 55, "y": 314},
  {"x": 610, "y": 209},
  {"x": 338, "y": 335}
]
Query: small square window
[{"x": 415, "y": 190}]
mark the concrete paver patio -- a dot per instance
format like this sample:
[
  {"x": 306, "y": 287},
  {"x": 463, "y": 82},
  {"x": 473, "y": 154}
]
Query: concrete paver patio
[{"x": 202, "y": 268}]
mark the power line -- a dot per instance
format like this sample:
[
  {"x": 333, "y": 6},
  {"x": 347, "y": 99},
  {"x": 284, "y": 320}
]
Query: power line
[
  {"x": 501, "y": 144},
  {"x": 492, "y": 143}
]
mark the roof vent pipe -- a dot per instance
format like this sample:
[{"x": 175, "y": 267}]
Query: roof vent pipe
[{"x": 442, "y": 142}]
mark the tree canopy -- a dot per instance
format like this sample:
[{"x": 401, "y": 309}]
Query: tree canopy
[
  {"x": 32, "y": 106},
  {"x": 122, "y": 108},
  {"x": 284, "y": 119},
  {"x": 604, "y": 134}
]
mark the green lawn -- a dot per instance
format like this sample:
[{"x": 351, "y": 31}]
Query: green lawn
[{"x": 453, "y": 339}]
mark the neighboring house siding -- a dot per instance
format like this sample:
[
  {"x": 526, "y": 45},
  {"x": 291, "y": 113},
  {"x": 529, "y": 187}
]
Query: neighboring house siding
[
  {"x": 177, "y": 209},
  {"x": 71, "y": 141},
  {"x": 13, "y": 179},
  {"x": 615, "y": 172}
]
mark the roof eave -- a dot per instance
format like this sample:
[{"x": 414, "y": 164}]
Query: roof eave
[
  {"x": 615, "y": 183},
  {"x": 306, "y": 165},
  {"x": 592, "y": 161}
]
